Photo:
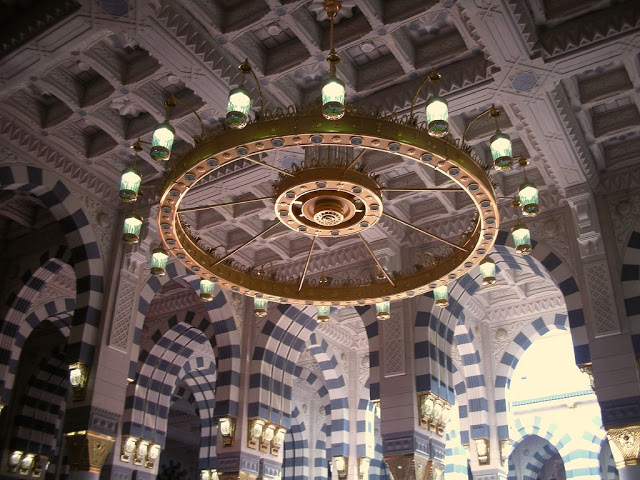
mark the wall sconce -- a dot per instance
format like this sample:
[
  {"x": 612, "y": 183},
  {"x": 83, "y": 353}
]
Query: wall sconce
[
  {"x": 505, "y": 450},
  {"x": 267, "y": 435},
  {"x": 209, "y": 474},
  {"x": 141, "y": 452},
  {"x": 482, "y": 448},
  {"x": 14, "y": 461},
  {"x": 78, "y": 376},
  {"x": 40, "y": 464},
  {"x": 342, "y": 466},
  {"x": 153, "y": 452},
  {"x": 363, "y": 468},
  {"x": 278, "y": 441},
  {"x": 26, "y": 463},
  {"x": 227, "y": 428},
  {"x": 127, "y": 448},
  {"x": 256, "y": 426}
]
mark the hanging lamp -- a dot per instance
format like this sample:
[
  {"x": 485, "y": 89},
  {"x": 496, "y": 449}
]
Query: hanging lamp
[
  {"x": 132, "y": 227},
  {"x": 437, "y": 110},
  {"x": 488, "y": 271},
  {"x": 333, "y": 90},
  {"x": 159, "y": 258},
  {"x": 441, "y": 295},
  {"x": 323, "y": 313},
  {"x": 163, "y": 135},
  {"x": 206, "y": 290},
  {"x": 260, "y": 307},
  {"x": 383, "y": 310}
]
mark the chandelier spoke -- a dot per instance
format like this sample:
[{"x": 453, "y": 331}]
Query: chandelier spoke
[
  {"x": 306, "y": 265},
  {"x": 233, "y": 252},
  {"x": 262, "y": 164},
  {"x": 407, "y": 224},
  {"x": 431, "y": 189},
  {"x": 355, "y": 160},
  {"x": 373, "y": 255},
  {"x": 226, "y": 204}
]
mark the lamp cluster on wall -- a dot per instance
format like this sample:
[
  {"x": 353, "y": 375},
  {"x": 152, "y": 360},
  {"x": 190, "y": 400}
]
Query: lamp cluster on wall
[
  {"x": 26, "y": 463},
  {"x": 139, "y": 452}
]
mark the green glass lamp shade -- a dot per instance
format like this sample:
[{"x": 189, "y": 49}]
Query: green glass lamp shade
[
  {"x": 132, "y": 227},
  {"x": 437, "y": 112},
  {"x": 521, "y": 238},
  {"x": 162, "y": 142},
  {"x": 488, "y": 271},
  {"x": 441, "y": 294},
  {"x": 260, "y": 307},
  {"x": 323, "y": 313},
  {"x": 333, "y": 93},
  {"x": 159, "y": 258},
  {"x": 130, "y": 185},
  {"x": 383, "y": 310},
  {"x": 500, "y": 145},
  {"x": 238, "y": 108},
  {"x": 528, "y": 197},
  {"x": 206, "y": 290}
]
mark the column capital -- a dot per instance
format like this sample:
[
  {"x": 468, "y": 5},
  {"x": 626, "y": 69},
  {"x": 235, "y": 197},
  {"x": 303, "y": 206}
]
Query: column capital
[
  {"x": 625, "y": 445},
  {"x": 414, "y": 467},
  {"x": 88, "y": 450}
]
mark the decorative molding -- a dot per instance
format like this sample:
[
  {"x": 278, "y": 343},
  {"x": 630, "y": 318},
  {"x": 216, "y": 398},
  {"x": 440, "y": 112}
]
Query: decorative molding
[
  {"x": 409, "y": 466},
  {"x": 123, "y": 315},
  {"x": 601, "y": 298},
  {"x": 393, "y": 335},
  {"x": 625, "y": 445},
  {"x": 525, "y": 309},
  {"x": 47, "y": 156}
]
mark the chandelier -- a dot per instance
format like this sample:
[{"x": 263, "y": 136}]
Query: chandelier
[{"x": 330, "y": 195}]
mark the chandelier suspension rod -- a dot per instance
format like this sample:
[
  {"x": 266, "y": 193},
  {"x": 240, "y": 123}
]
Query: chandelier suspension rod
[
  {"x": 424, "y": 231},
  {"x": 495, "y": 113},
  {"x": 258, "y": 162},
  {"x": 245, "y": 68},
  {"x": 375, "y": 259},
  {"x": 226, "y": 204},
  {"x": 306, "y": 265},
  {"x": 432, "y": 189},
  {"x": 353, "y": 162},
  {"x": 433, "y": 77},
  {"x": 172, "y": 101},
  {"x": 232, "y": 252}
]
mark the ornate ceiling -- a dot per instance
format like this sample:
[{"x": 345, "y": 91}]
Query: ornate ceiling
[{"x": 83, "y": 80}]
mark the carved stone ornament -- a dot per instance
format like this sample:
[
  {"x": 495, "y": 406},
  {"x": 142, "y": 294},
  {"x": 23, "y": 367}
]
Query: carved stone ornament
[
  {"x": 409, "y": 467},
  {"x": 587, "y": 369},
  {"x": 341, "y": 466},
  {"x": 256, "y": 425},
  {"x": 237, "y": 476},
  {"x": 482, "y": 449},
  {"x": 437, "y": 472},
  {"x": 505, "y": 450},
  {"x": 625, "y": 445},
  {"x": 88, "y": 450}
]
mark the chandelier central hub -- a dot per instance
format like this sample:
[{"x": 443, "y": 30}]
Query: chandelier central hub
[{"x": 328, "y": 201}]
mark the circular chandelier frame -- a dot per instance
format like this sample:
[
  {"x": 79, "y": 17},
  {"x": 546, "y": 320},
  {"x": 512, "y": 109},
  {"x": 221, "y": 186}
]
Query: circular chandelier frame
[{"x": 304, "y": 127}]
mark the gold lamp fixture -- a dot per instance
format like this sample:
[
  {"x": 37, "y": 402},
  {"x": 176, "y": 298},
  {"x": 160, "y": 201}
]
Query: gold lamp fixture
[{"x": 329, "y": 196}]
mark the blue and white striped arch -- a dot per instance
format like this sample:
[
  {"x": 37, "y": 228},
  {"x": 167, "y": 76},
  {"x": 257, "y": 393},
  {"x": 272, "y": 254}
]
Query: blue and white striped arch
[
  {"x": 58, "y": 311},
  {"x": 81, "y": 241},
  {"x": 181, "y": 352},
  {"x": 544, "y": 262},
  {"x": 222, "y": 325},
  {"x": 296, "y": 450},
  {"x": 277, "y": 350},
  {"x": 630, "y": 277},
  {"x": 510, "y": 358}
]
